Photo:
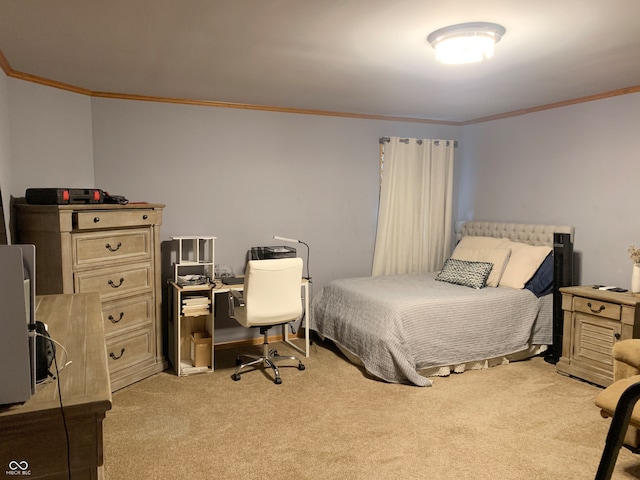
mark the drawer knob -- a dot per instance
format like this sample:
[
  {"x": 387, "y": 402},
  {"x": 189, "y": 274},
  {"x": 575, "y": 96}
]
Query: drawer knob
[
  {"x": 113, "y": 320},
  {"x": 96, "y": 219},
  {"x": 111, "y": 249},
  {"x": 617, "y": 335},
  {"x": 113, "y": 285},
  {"x": 117, "y": 357},
  {"x": 145, "y": 216},
  {"x": 599, "y": 310}
]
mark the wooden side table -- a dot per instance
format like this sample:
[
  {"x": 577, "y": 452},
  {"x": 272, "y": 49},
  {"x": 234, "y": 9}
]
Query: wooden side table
[
  {"x": 33, "y": 437},
  {"x": 594, "y": 320}
]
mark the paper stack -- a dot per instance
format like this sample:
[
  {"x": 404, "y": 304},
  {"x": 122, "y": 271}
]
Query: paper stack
[{"x": 195, "y": 305}]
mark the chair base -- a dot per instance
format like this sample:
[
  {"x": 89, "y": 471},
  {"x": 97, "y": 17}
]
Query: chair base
[{"x": 268, "y": 359}]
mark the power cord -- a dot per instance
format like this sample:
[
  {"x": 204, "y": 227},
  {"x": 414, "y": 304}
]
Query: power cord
[
  {"x": 64, "y": 418},
  {"x": 57, "y": 378}
]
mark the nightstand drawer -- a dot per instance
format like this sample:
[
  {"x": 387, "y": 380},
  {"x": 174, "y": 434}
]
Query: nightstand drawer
[
  {"x": 131, "y": 349},
  {"x": 123, "y": 315},
  {"x": 92, "y": 220},
  {"x": 97, "y": 248},
  {"x": 597, "y": 307},
  {"x": 115, "y": 282}
]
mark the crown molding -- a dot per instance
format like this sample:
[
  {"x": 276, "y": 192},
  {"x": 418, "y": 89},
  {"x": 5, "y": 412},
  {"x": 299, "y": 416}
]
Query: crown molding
[
  {"x": 10, "y": 72},
  {"x": 550, "y": 106}
]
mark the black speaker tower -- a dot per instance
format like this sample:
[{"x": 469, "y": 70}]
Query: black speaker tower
[{"x": 562, "y": 277}]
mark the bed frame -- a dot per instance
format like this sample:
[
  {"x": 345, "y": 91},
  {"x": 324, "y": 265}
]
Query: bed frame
[{"x": 560, "y": 237}]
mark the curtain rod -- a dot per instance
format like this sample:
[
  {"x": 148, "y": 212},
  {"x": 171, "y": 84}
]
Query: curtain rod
[{"x": 406, "y": 140}]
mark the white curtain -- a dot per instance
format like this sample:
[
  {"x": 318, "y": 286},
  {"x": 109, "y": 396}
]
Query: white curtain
[{"x": 415, "y": 214}]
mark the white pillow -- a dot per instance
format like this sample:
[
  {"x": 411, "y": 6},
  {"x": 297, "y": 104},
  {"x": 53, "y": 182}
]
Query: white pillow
[
  {"x": 497, "y": 256},
  {"x": 523, "y": 264},
  {"x": 482, "y": 242}
]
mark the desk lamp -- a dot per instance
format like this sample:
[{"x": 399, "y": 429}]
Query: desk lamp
[
  {"x": 293, "y": 240},
  {"x": 308, "y": 277}
]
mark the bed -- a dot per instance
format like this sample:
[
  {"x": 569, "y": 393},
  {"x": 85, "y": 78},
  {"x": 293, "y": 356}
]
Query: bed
[{"x": 492, "y": 303}]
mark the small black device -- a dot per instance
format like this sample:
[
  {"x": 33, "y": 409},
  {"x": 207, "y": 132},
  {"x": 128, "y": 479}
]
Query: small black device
[
  {"x": 63, "y": 196},
  {"x": 267, "y": 253},
  {"x": 610, "y": 289},
  {"x": 45, "y": 352}
]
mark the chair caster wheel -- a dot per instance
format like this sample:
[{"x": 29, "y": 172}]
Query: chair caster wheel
[
  {"x": 277, "y": 381},
  {"x": 301, "y": 366},
  {"x": 236, "y": 377}
]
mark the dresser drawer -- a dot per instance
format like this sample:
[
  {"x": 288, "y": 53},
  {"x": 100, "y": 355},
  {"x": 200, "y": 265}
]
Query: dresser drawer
[
  {"x": 125, "y": 314},
  {"x": 597, "y": 307},
  {"x": 115, "y": 282},
  {"x": 92, "y": 220},
  {"x": 97, "y": 248},
  {"x": 124, "y": 351}
]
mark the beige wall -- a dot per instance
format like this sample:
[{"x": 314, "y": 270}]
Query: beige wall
[
  {"x": 5, "y": 151},
  {"x": 245, "y": 175},
  {"x": 50, "y": 137},
  {"x": 576, "y": 165}
]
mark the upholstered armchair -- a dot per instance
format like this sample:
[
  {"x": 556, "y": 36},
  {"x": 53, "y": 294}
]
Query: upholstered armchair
[{"x": 626, "y": 372}]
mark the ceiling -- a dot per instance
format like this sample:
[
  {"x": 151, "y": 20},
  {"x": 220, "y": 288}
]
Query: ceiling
[{"x": 364, "y": 57}]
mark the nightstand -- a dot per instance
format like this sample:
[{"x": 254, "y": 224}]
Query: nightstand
[{"x": 594, "y": 320}]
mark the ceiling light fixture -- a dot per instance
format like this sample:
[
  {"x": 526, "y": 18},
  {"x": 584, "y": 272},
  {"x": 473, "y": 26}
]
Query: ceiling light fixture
[{"x": 465, "y": 42}]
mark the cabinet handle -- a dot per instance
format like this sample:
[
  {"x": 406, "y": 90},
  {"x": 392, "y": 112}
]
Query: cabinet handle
[
  {"x": 602, "y": 307},
  {"x": 111, "y": 249},
  {"x": 113, "y": 320},
  {"x": 117, "y": 357},
  {"x": 96, "y": 219},
  {"x": 617, "y": 335},
  {"x": 113, "y": 285},
  {"x": 145, "y": 216}
]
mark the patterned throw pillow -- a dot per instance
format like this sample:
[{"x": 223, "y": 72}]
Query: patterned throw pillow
[
  {"x": 497, "y": 256},
  {"x": 465, "y": 273}
]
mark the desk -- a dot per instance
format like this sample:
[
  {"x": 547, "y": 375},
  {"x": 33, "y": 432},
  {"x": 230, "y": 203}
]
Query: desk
[
  {"x": 181, "y": 326},
  {"x": 32, "y": 434},
  {"x": 221, "y": 288}
]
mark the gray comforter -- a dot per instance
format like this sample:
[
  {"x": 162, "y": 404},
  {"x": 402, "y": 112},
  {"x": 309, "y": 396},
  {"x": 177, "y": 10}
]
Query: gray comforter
[{"x": 399, "y": 324}]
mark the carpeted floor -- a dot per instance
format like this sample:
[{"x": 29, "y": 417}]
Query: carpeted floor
[{"x": 519, "y": 421}]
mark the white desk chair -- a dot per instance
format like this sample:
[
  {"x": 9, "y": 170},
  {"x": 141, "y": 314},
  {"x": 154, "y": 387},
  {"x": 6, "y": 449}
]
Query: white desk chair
[{"x": 271, "y": 297}]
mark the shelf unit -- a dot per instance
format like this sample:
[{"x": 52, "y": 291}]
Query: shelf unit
[
  {"x": 194, "y": 254},
  {"x": 184, "y": 323},
  {"x": 192, "y": 305}
]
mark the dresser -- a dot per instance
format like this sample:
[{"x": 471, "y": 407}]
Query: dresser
[
  {"x": 33, "y": 437},
  {"x": 593, "y": 321},
  {"x": 113, "y": 250}
]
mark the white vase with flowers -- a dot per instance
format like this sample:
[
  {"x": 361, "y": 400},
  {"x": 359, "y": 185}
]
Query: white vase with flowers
[{"x": 635, "y": 273}]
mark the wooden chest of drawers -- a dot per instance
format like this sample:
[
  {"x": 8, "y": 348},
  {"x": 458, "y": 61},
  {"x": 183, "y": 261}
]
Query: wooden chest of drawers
[
  {"x": 594, "y": 320},
  {"x": 113, "y": 250}
]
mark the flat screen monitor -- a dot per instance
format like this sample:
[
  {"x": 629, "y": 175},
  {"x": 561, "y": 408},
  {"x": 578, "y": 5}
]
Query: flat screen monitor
[{"x": 17, "y": 347}]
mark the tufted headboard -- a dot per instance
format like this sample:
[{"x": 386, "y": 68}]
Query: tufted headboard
[
  {"x": 531, "y": 233},
  {"x": 535, "y": 234}
]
